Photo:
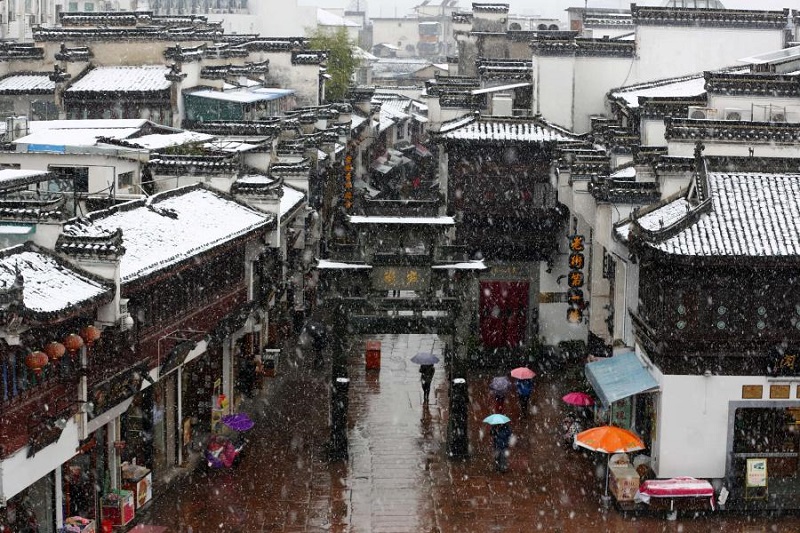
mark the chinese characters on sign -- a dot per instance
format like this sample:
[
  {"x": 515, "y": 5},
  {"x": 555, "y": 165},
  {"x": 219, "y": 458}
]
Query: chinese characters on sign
[
  {"x": 575, "y": 280},
  {"x": 400, "y": 278},
  {"x": 784, "y": 361},
  {"x": 348, "y": 181}
]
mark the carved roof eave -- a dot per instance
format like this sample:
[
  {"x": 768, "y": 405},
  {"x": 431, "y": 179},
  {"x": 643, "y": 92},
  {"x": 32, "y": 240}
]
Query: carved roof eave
[
  {"x": 679, "y": 129},
  {"x": 633, "y": 193},
  {"x": 654, "y": 108},
  {"x": 723, "y": 18},
  {"x": 41, "y": 34},
  {"x": 269, "y": 128},
  {"x": 109, "y": 246},
  {"x": 583, "y": 48},
  {"x": 753, "y": 84}
]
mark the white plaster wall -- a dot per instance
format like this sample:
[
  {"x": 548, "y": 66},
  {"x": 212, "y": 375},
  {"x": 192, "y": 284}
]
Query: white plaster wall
[
  {"x": 396, "y": 31},
  {"x": 554, "y": 89},
  {"x": 653, "y": 132},
  {"x": 288, "y": 21},
  {"x": 583, "y": 203},
  {"x": 666, "y": 51},
  {"x": 19, "y": 472},
  {"x": 102, "y": 170},
  {"x": 693, "y": 423},
  {"x": 553, "y": 325},
  {"x": 594, "y": 77}
]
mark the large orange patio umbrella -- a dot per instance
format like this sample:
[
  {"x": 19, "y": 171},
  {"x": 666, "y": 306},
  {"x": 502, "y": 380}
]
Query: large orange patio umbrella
[{"x": 609, "y": 440}]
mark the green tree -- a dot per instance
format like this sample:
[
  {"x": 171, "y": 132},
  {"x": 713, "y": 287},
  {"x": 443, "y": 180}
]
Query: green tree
[{"x": 341, "y": 64}]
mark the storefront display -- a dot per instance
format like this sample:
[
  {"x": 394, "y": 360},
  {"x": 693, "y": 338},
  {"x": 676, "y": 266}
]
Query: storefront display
[
  {"x": 118, "y": 507},
  {"x": 138, "y": 480},
  {"x": 78, "y": 524}
]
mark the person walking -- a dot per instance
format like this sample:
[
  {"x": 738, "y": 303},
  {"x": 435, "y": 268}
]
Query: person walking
[
  {"x": 499, "y": 402},
  {"x": 426, "y": 377},
  {"x": 524, "y": 389},
  {"x": 501, "y": 437}
]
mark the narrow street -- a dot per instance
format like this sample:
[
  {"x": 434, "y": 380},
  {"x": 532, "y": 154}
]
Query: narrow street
[{"x": 398, "y": 477}]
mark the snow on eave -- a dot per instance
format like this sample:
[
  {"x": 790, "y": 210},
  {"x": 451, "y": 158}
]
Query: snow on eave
[
  {"x": 325, "y": 264},
  {"x": 423, "y": 221},
  {"x": 291, "y": 200},
  {"x": 468, "y": 265}
]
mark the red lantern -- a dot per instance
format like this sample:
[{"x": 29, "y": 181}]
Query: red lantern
[
  {"x": 54, "y": 350},
  {"x": 36, "y": 361},
  {"x": 73, "y": 342},
  {"x": 90, "y": 334}
]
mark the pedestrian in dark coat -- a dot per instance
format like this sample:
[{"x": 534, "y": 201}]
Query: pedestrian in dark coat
[
  {"x": 499, "y": 402},
  {"x": 426, "y": 377},
  {"x": 524, "y": 389},
  {"x": 501, "y": 437}
]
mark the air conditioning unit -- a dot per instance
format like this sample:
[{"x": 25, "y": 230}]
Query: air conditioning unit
[
  {"x": 702, "y": 113},
  {"x": 738, "y": 114}
]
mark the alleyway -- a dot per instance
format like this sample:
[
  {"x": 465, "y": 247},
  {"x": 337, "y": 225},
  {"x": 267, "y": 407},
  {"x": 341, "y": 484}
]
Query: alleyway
[{"x": 398, "y": 477}]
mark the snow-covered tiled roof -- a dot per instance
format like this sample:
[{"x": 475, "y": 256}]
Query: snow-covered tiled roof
[
  {"x": 74, "y": 137},
  {"x": 145, "y": 78},
  {"x": 81, "y": 133},
  {"x": 27, "y": 83},
  {"x": 243, "y": 95},
  {"x": 685, "y": 86},
  {"x": 48, "y": 285},
  {"x": 11, "y": 178},
  {"x": 170, "y": 227},
  {"x": 290, "y": 200},
  {"x": 159, "y": 141},
  {"x": 475, "y": 128},
  {"x": 750, "y": 215}
]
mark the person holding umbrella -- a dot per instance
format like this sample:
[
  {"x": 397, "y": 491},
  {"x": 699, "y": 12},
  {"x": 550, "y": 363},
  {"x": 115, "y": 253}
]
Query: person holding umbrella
[
  {"x": 524, "y": 378},
  {"x": 499, "y": 387},
  {"x": 501, "y": 438},
  {"x": 426, "y": 371}
]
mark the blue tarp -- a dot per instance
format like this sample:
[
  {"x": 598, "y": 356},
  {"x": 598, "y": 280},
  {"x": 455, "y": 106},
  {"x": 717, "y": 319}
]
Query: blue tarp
[{"x": 618, "y": 377}]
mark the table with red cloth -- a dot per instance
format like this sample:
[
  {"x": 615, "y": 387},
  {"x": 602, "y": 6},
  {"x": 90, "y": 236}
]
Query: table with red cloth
[{"x": 678, "y": 487}]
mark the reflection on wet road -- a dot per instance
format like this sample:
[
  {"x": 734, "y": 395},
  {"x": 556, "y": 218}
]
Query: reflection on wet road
[{"x": 398, "y": 477}]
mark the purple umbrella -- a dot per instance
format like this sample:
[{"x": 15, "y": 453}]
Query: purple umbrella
[
  {"x": 500, "y": 384},
  {"x": 238, "y": 422}
]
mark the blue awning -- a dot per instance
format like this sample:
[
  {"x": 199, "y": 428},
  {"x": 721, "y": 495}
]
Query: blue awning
[{"x": 618, "y": 377}]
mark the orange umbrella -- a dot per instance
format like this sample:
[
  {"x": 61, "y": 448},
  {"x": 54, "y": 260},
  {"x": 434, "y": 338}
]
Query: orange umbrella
[{"x": 608, "y": 440}]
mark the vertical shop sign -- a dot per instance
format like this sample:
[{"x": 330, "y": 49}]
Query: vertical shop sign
[
  {"x": 575, "y": 279},
  {"x": 348, "y": 181}
]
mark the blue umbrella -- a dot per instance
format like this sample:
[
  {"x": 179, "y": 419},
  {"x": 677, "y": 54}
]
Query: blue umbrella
[
  {"x": 496, "y": 419},
  {"x": 425, "y": 358}
]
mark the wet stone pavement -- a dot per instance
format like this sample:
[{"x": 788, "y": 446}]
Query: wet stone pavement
[{"x": 398, "y": 477}]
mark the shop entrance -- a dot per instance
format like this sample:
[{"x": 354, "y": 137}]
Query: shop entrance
[
  {"x": 771, "y": 433},
  {"x": 503, "y": 313}
]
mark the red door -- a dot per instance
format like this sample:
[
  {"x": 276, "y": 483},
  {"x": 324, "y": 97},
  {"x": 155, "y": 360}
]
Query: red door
[{"x": 503, "y": 313}]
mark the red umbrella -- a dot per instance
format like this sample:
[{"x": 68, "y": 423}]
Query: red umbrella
[
  {"x": 580, "y": 399},
  {"x": 522, "y": 373}
]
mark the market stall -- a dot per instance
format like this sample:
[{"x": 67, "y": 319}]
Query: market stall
[{"x": 658, "y": 492}]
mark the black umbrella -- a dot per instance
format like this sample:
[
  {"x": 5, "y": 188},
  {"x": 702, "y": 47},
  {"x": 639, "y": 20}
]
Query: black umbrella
[{"x": 318, "y": 334}]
